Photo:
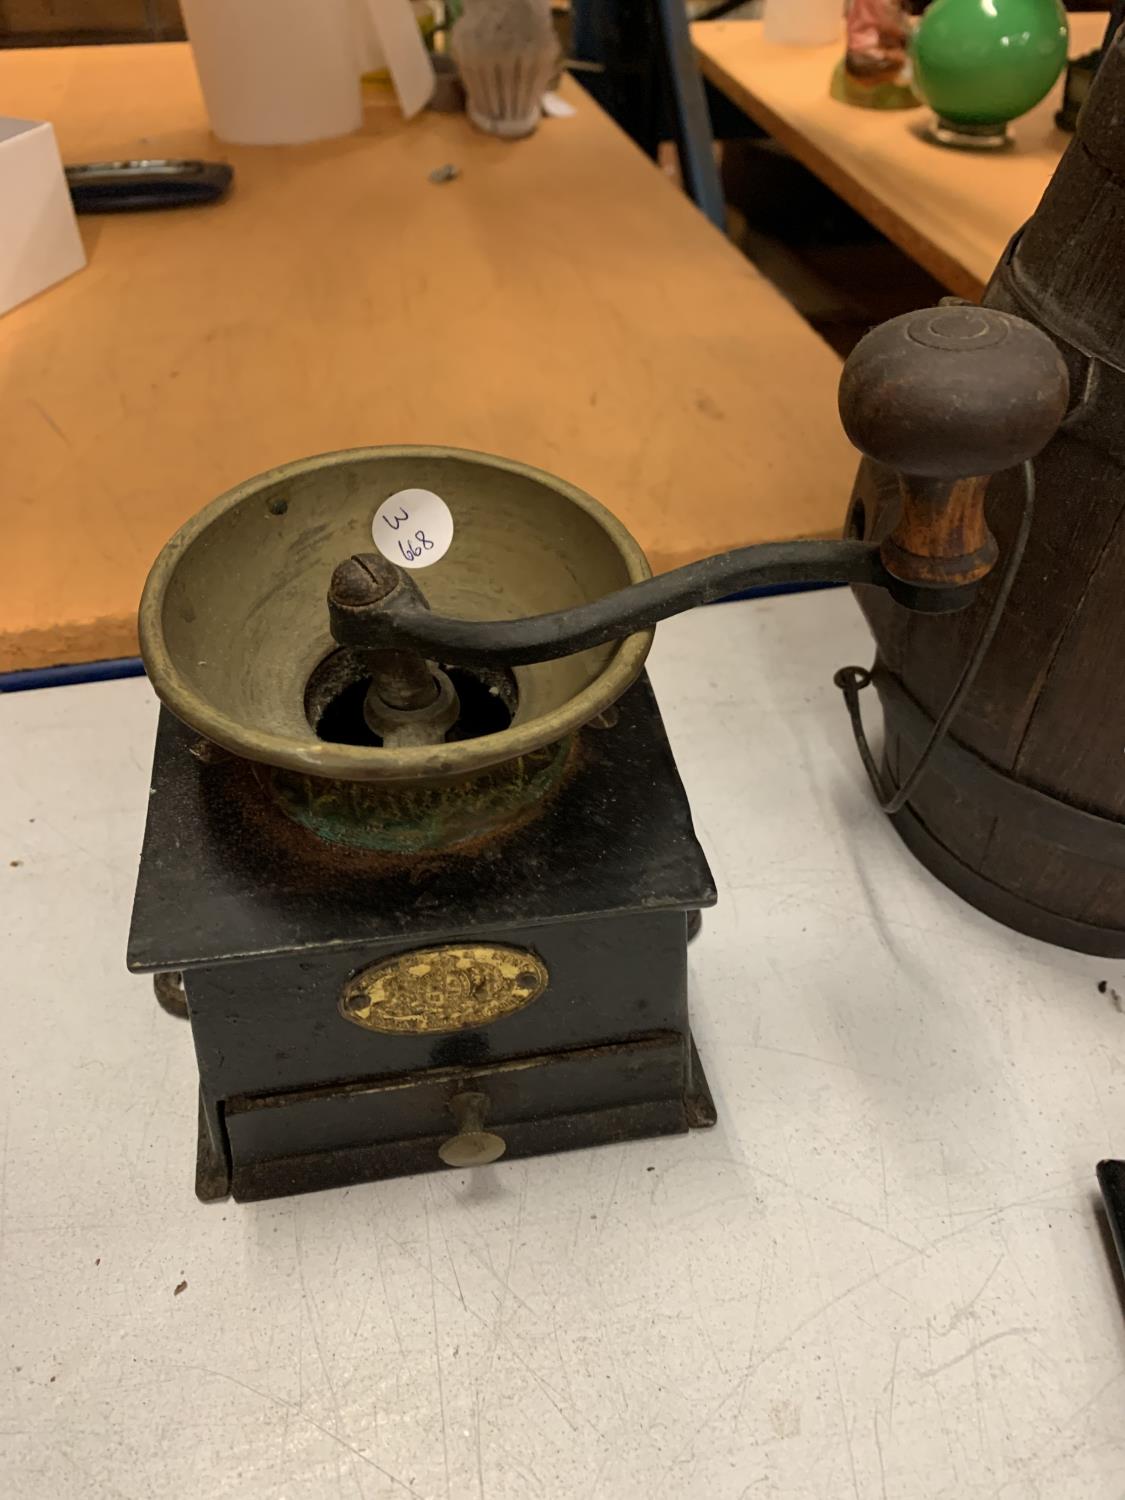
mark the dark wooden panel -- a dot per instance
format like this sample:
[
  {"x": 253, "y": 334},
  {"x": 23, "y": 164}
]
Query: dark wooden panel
[
  {"x": 164, "y": 20},
  {"x": 1041, "y": 845},
  {"x": 1055, "y": 879},
  {"x": 1072, "y": 527},
  {"x": 31, "y": 23},
  {"x": 966, "y": 829},
  {"x": 1074, "y": 744}
]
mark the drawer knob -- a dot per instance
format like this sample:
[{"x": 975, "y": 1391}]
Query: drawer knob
[{"x": 472, "y": 1146}]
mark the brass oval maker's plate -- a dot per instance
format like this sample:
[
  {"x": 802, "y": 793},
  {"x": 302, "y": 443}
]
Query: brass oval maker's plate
[{"x": 444, "y": 989}]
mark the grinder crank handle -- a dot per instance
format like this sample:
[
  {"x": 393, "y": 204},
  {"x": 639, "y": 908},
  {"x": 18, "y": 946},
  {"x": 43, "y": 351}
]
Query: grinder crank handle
[
  {"x": 392, "y": 619},
  {"x": 947, "y": 397}
]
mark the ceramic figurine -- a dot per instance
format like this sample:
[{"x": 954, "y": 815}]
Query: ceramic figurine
[
  {"x": 875, "y": 69},
  {"x": 981, "y": 63},
  {"x": 508, "y": 53}
]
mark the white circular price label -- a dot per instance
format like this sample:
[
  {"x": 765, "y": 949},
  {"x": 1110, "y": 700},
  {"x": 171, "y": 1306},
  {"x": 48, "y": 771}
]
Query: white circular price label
[{"x": 413, "y": 528}]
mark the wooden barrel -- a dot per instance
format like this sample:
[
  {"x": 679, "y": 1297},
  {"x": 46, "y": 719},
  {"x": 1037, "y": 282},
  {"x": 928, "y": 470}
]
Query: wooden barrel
[{"x": 1023, "y": 813}]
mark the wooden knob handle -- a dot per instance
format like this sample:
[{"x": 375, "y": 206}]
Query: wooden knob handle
[
  {"x": 948, "y": 397},
  {"x": 942, "y": 536}
]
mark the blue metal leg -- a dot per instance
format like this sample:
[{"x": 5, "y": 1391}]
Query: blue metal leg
[
  {"x": 647, "y": 78},
  {"x": 694, "y": 140}
]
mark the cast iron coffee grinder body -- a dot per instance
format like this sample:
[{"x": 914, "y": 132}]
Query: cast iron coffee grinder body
[{"x": 418, "y": 864}]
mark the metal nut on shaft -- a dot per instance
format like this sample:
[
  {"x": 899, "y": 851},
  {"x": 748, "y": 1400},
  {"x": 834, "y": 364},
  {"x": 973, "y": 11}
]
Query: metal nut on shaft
[
  {"x": 401, "y": 680},
  {"x": 362, "y": 580}
]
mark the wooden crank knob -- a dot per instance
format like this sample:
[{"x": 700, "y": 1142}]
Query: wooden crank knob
[
  {"x": 951, "y": 392},
  {"x": 948, "y": 397}
]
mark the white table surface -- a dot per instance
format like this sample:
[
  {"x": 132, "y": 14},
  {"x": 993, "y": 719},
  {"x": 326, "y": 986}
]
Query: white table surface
[{"x": 881, "y": 1276}]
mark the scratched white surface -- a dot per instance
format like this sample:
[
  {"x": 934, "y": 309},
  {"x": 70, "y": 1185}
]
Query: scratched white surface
[{"x": 880, "y": 1277}]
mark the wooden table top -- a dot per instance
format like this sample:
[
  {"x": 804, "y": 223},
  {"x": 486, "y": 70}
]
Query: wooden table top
[
  {"x": 560, "y": 303},
  {"x": 952, "y": 211}
]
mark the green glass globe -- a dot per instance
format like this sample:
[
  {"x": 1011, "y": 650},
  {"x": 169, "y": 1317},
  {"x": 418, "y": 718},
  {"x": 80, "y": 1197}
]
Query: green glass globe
[{"x": 981, "y": 63}]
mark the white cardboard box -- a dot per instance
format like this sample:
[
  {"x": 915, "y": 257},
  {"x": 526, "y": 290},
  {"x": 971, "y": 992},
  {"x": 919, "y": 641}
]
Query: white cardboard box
[{"x": 39, "y": 239}]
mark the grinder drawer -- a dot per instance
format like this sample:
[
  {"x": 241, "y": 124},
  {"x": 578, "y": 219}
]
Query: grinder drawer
[{"x": 346, "y": 1133}]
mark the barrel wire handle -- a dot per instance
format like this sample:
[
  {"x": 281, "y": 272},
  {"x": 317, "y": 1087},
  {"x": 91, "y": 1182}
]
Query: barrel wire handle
[{"x": 852, "y": 680}]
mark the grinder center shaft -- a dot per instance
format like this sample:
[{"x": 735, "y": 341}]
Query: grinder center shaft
[{"x": 410, "y": 701}]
